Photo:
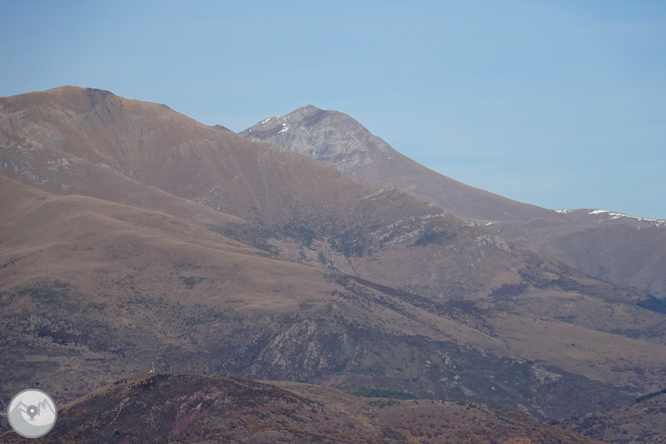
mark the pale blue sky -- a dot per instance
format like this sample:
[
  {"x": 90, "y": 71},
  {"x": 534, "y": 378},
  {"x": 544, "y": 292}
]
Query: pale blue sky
[{"x": 557, "y": 103}]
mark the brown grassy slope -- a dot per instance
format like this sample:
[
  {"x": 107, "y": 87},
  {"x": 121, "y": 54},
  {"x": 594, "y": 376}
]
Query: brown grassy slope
[
  {"x": 386, "y": 236},
  {"x": 190, "y": 408},
  {"x": 63, "y": 173},
  {"x": 624, "y": 251},
  {"x": 160, "y": 147},
  {"x": 89, "y": 286},
  {"x": 93, "y": 289},
  {"x": 642, "y": 422},
  {"x": 615, "y": 249}
]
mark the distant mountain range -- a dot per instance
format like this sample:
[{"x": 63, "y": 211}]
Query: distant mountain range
[
  {"x": 621, "y": 249},
  {"x": 131, "y": 235}
]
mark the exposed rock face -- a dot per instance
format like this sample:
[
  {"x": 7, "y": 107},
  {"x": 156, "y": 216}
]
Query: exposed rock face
[
  {"x": 303, "y": 351},
  {"x": 340, "y": 141},
  {"x": 329, "y": 136}
]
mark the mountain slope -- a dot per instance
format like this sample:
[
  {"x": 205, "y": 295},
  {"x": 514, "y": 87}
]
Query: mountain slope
[
  {"x": 602, "y": 244},
  {"x": 338, "y": 140},
  {"x": 116, "y": 253},
  {"x": 642, "y": 422},
  {"x": 93, "y": 289},
  {"x": 332, "y": 219}
]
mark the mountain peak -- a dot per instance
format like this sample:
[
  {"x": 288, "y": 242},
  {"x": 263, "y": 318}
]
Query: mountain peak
[
  {"x": 308, "y": 109},
  {"x": 220, "y": 128},
  {"x": 308, "y": 114},
  {"x": 329, "y": 136},
  {"x": 70, "y": 90}
]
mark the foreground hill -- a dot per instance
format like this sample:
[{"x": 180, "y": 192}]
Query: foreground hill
[
  {"x": 190, "y": 408},
  {"x": 617, "y": 248},
  {"x": 131, "y": 234},
  {"x": 643, "y": 422}
]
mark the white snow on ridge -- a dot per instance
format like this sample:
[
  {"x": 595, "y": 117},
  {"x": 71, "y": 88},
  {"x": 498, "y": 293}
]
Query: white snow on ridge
[
  {"x": 615, "y": 216},
  {"x": 285, "y": 127}
]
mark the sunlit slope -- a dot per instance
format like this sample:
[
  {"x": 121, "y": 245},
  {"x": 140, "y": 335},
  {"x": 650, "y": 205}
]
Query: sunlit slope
[
  {"x": 617, "y": 248},
  {"x": 129, "y": 260}
]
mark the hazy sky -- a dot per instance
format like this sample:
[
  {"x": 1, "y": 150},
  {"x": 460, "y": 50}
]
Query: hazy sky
[{"x": 557, "y": 103}]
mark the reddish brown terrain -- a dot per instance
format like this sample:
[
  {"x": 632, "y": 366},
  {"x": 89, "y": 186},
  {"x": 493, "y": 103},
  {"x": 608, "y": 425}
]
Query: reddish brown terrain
[
  {"x": 190, "y": 408},
  {"x": 643, "y": 422},
  {"x": 132, "y": 235}
]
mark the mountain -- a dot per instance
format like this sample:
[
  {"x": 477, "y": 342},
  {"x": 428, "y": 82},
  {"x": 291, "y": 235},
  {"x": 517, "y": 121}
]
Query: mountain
[
  {"x": 340, "y": 141},
  {"x": 220, "y": 128},
  {"x": 195, "y": 408},
  {"x": 282, "y": 202},
  {"x": 131, "y": 235},
  {"x": 621, "y": 249},
  {"x": 94, "y": 289}
]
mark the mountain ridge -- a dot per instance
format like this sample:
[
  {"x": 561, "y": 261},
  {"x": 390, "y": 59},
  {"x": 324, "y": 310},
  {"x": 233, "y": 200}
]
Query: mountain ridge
[
  {"x": 363, "y": 144},
  {"x": 340, "y": 141}
]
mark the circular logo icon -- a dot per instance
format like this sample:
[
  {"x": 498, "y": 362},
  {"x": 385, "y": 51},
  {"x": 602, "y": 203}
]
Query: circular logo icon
[{"x": 32, "y": 413}]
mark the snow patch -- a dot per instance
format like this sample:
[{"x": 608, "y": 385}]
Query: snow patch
[{"x": 615, "y": 216}]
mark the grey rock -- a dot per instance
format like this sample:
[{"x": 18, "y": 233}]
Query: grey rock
[{"x": 328, "y": 136}]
